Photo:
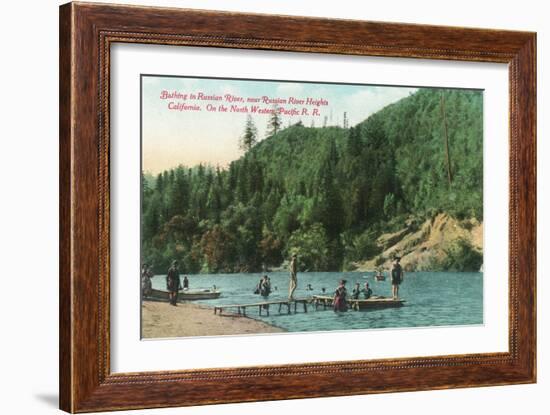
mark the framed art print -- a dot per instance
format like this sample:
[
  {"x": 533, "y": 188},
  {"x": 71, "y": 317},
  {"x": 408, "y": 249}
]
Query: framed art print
[{"x": 248, "y": 202}]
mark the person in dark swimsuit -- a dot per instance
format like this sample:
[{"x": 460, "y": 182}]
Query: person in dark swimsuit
[
  {"x": 356, "y": 291},
  {"x": 265, "y": 287},
  {"x": 173, "y": 283},
  {"x": 367, "y": 292},
  {"x": 396, "y": 277}
]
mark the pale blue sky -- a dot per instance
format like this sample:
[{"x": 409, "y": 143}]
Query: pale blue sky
[{"x": 171, "y": 138}]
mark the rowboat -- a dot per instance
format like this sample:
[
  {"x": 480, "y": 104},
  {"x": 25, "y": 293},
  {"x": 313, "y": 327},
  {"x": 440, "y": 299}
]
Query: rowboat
[
  {"x": 185, "y": 295},
  {"x": 374, "y": 302},
  {"x": 380, "y": 277}
]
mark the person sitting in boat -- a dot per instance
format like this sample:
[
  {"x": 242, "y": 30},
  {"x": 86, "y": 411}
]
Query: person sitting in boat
[
  {"x": 340, "y": 302},
  {"x": 265, "y": 286},
  {"x": 356, "y": 291},
  {"x": 367, "y": 292},
  {"x": 185, "y": 283}
]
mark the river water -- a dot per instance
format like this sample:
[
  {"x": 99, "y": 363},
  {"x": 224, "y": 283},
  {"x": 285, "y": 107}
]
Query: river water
[{"x": 432, "y": 299}]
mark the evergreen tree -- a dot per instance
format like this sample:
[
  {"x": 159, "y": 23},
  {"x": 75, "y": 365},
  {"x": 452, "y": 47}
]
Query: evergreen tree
[
  {"x": 159, "y": 185},
  {"x": 330, "y": 204},
  {"x": 178, "y": 199},
  {"x": 274, "y": 123},
  {"x": 353, "y": 145},
  {"x": 250, "y": 135}
]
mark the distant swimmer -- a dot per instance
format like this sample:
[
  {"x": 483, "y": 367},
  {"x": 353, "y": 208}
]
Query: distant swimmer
[{"x": 379, "y": 276}]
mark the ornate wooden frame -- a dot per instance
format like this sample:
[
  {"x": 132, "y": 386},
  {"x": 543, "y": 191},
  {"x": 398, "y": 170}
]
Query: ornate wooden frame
[{"x": 86, "y": 33}]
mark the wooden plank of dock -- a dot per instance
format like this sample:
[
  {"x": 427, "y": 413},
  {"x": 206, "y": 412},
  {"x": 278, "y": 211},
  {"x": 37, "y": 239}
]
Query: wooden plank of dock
[{"x": 265, "y": 305}]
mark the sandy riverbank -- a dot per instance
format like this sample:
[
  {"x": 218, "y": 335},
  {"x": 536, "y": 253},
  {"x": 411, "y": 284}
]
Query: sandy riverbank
[{"x": 160, "y": 319}]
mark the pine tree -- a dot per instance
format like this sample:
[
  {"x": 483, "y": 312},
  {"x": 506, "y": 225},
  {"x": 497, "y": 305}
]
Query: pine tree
[
  {"x": 250, "y": 135},
  {"x": 159, "y": 185},
  {"x": 178, "y": 200},
  {"x": 330, "y": 204},
  {"x": 274, "y": 123},
  {"x": 353, "y": 145}
]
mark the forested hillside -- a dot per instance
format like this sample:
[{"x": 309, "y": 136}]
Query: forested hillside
[{"x": 326, "y": 193}]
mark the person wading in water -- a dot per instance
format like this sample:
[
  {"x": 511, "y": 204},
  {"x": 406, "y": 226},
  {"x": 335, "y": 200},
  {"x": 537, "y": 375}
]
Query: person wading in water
[
  {"x": 340, "y": 301},
  {"x": 396, "y": 277},
  {"x": 293, "y": 276},
  {"x": 173, "y": 283},
  {"x": 367, "y": 292},
  {"x": 265, "y": 287},
  {"x": 356, "y": 291}
]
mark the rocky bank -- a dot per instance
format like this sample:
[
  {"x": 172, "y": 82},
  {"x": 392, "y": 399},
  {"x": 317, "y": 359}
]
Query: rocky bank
[{"x": 420, "y": 246}]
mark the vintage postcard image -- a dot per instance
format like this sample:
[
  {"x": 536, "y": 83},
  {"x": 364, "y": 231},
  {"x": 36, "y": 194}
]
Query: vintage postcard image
[{"x": 288, "y": 206}]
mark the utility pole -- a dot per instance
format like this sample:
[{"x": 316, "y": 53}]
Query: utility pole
[{"x": 449, "y": 172}]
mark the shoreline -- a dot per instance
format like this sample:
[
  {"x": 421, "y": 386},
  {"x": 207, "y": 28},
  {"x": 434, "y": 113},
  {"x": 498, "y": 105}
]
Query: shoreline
[{"x": 161, "y": 320}]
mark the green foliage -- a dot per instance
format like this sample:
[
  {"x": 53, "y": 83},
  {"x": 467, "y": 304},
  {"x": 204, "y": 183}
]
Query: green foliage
[
  {"x": 327, "y": 192},
  {"x": 364, "y": 246},
  {"x": 271, "y": 249},
  {"x": 312, "y": 247},
  {"x": 461, "y": 256}
]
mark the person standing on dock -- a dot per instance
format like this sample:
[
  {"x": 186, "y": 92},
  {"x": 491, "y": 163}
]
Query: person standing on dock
[
  {"x": 293, "y": 277},
  {"x": 396, "y": 277},
  {"x": 173, "y": 283}
]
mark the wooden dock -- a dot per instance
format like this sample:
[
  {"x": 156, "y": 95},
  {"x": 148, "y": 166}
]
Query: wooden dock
[
  {"x": 286, "y": 306},
  {"x": 265, "y": 306}
]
